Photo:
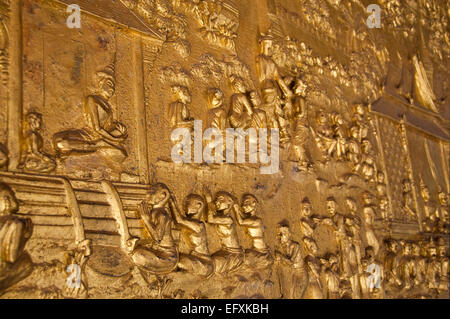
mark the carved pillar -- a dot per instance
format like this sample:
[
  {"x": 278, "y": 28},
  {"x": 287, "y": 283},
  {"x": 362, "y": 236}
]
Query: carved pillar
[
  {"x": 139, "y": 102},
  {"x": 15, "y": 84}
]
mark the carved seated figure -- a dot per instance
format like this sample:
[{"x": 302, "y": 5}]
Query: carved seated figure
[
  {"x": 33, "y": 158},
  {"x": 231, "y": 256},
  {"x": 259, "y": 256},
  {"x": 15, "y": 263},
  {"x": 157, "y": 254},
  {"x": 102, "y": 134},
  {"x": 193, "y": 231}
]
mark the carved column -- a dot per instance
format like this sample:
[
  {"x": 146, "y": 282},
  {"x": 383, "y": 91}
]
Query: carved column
[
  {"x": 15, "y": 84},
  {"x": 139, "y": 102}
]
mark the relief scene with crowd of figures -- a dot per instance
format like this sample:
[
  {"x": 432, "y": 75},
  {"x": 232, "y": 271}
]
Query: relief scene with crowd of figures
[{"x": 92, "y": 204}]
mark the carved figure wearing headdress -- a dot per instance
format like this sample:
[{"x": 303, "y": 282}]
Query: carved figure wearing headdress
[{"x": 102, "y": 134}]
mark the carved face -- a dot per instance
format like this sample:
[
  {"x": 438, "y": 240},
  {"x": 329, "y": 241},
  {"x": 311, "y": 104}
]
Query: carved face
[
  {"x": 217, "y": 99},
  {"x": 107, "y": 87},
  {"x": 34, "y": 121},
  {"x": 267, "y": 47},
  {"x": 158, "y": 196},
  {"x": 443, "y": 198},
  {"x": 223, "y": 203},
  {"x": 442, "y": 250},
  {"x": 239, "y": 86},
  {"x": 249, "y": 205},
  {"x": 432, "y": 252},
  {"x": 380, "y": 178},
  {"x": 425, "y": 193},
  {"x": 284, "y": 235},
  {"x": 306, "y": 209},
  {"x": 194, "y": 208},
  {"x": 331, "y": 207},
  {"x": 311, "y": 246},
  {"x": 416, "y": 250}
]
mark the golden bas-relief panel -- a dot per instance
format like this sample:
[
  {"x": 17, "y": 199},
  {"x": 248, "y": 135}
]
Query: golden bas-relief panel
[{"x": 294, "y": 149}]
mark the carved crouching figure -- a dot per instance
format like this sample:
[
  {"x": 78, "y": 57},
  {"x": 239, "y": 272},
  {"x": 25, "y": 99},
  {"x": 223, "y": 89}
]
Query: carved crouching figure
[
  {"x": 15, "y": 263},
  {"x": 193, "y": 231},
  {"x": 259, "y": 256},
  {"x": 231, "y": 255},
  {"x": 157, "y": 254}
]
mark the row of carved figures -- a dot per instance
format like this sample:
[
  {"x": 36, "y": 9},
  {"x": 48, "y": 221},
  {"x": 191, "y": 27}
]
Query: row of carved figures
[
  {"x": 282, "y": 104},
  {"x": 345, "y": 273}
]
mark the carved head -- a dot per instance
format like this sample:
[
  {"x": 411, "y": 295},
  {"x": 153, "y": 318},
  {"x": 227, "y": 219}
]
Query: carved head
[
  {"x": 322, "y": 118},
  {"x": 299, "y": 87},
  {"x": 380, "y": 177},
  {"x": 158, "y": 195},
  {"x": 34, "y": 120},
  {"x": 283, "y": 233},
  {"x": 370, "y": 253},
  {"x": 311, "y": 245},
  {"x": 443, "y": 199},
  {"x": 424, "y": 191},
  {"x": 224, "y": 201},
  {"x": 238, "y": 84},
  {"x": 415, "y": 249},
  {"x": 367, "y": 198},
  {"x": 255, "y": 98},
  {"x": 406, "y": 185},
  {"x": 354, "y": 132},
  {"x": 181, "y": 93},
  {"x": 366, "y": 146},
  {"x": 8, "y": 200},
  {"x": 215, "y": 98},
  {"x": 306, "y": 207},
  {"x": 266, "y": 42},
  {"x": 194, "y": 206},
  {"x": 249, "y": 203},
  {"x": 106, "y": 81},
  {"x": 331, "y": 206},
  {"x": 351, "y": 204}
]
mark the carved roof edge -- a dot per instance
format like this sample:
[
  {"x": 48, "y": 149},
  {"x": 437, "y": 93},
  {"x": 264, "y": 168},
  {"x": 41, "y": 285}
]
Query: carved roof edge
[
  {"x": 116, "y": 12},
  {"x": 411, "y": 115}
]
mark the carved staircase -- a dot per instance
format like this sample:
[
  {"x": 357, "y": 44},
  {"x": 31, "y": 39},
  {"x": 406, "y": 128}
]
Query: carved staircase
[{"x": 75, "y": 210}]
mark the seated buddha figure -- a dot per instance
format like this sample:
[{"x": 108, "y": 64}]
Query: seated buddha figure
[
  {"x": 15, "y": 263},
  {"x": 102, "y": 133}
]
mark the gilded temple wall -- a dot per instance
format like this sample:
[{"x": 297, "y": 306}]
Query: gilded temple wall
[{"x": 351, "y": 103}]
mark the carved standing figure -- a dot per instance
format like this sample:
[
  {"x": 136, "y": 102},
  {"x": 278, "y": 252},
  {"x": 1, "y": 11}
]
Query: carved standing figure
[
  {"x": 300, "y": 128},
  {"x": 313, "y": 267},
  {"x": 369, "y": 216},
  {"x": 292, "y": 273}
]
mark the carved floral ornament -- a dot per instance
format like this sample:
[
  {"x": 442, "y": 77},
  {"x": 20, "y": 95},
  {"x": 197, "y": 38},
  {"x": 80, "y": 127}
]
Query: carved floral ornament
[{"x": 358, "y": 206}]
